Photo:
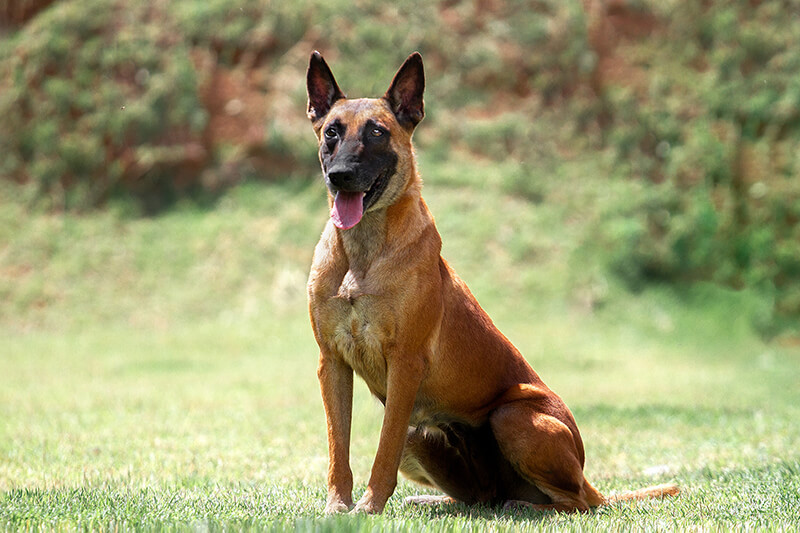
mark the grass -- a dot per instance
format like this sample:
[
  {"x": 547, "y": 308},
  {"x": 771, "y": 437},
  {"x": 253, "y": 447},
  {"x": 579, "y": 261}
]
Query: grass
[{"x": 159, "y": 373}]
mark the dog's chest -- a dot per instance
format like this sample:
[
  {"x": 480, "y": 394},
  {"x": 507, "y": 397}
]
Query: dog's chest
[{"x": 358, "y": 328}]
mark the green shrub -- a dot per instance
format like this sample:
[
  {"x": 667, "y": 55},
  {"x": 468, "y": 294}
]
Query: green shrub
[
  {"x": 103, "y": 97},
  {"x": 91, "y": 87},
  {"x": 672, "y": 234},
  {"x": 719, "y": 202}
]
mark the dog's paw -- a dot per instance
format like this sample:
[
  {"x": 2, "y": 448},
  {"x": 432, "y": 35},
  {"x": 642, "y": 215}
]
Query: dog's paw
[
  {"x": 367, "y": 506},
  {"x": 336, "y": 507}
]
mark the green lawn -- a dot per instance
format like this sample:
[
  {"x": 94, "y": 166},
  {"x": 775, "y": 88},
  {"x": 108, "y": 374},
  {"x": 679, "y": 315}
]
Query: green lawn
[{"x": 159, "y": 372}]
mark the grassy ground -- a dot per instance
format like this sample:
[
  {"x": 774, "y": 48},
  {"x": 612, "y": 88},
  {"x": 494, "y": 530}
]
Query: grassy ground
[{"x": 159, "y": 373}]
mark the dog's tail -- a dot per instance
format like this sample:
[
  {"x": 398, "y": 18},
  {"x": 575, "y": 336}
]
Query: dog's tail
[
  {"x": 656, "y": 491},
  {"x": 595, "y": 498}
]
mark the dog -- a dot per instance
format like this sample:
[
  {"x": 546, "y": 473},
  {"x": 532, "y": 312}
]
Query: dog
[{"x": 464, "y": 411}]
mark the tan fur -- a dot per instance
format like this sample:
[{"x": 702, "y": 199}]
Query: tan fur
[{"x": 464, "y": 411}]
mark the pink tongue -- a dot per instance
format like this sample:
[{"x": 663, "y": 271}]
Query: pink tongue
[{"x": 347, "y": 209}]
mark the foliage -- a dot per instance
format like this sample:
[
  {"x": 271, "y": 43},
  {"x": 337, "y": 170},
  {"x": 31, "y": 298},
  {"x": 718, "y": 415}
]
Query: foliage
[
  {"x": 696, "y": 101},
  {"x": 82, "y": 119},
  {"x": 104, "y": 97},
  {"x": 716, "y": 132}
]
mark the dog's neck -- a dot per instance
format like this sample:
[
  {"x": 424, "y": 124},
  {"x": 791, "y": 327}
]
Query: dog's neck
[{"x": 363, "y": 242}]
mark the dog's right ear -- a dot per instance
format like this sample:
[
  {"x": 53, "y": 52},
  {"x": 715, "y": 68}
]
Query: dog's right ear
[{"x": 322, "y": 88}]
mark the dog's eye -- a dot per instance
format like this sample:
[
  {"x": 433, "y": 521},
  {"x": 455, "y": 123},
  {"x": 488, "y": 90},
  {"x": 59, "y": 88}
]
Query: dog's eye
[
  {"x": 376, "y": 132},
  {"x": 331, "y": 133}
]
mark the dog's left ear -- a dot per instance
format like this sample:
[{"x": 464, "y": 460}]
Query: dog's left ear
[
  {"x": 322, "y": 88},
  {"x": 405, "y": 92}
]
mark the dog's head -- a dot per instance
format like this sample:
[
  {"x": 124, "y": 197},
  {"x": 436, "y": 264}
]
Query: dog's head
[{"x": 365, "y": 143}]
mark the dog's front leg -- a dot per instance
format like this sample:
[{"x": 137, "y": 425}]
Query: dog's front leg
[
  {"x": 336, "y": 384},
  {"x": 402, "y": 383}
]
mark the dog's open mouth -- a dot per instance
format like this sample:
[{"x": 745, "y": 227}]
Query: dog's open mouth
[{"x": 349, "y": 207}]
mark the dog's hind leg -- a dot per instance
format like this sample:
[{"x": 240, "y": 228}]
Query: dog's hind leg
[
  {"x": 546, "y": 453},
  {"x": 463, "y": 462}
]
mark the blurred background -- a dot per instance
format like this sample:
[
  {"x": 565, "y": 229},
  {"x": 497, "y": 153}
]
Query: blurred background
[
  {"x": 617, "y": 182},
  {"x": 669, "y": 130}
]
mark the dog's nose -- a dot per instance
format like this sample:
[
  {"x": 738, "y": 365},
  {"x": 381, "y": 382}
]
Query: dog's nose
[{"x": 342, "y": 178}]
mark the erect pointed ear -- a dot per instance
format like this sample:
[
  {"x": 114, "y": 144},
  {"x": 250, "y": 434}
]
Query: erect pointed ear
[
  {"x": 321, "y": 86},
  {"x": 405, "y": 92}
]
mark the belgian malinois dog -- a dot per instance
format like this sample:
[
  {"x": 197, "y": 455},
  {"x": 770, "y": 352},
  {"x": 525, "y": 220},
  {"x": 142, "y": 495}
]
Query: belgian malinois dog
[{"x": 464, "y": 412}]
